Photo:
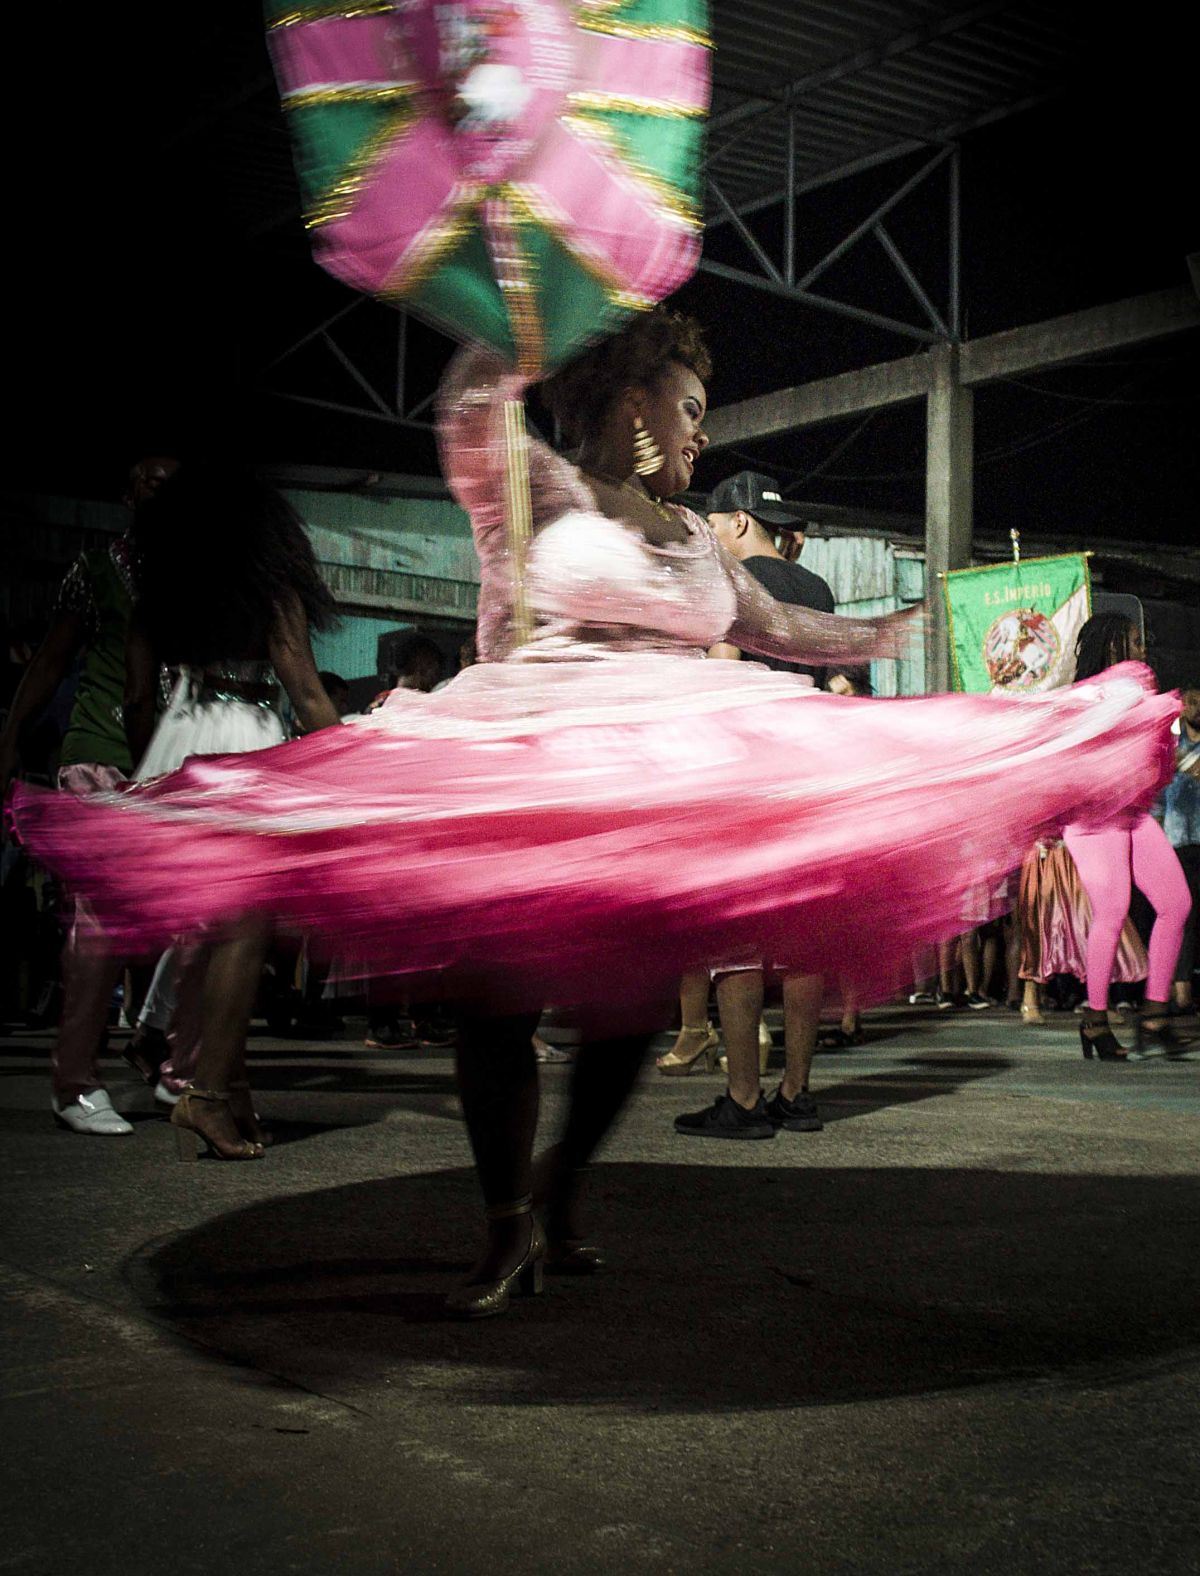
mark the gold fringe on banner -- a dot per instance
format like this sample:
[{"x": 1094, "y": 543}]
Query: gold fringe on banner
[{"x": 518, "y": 513}]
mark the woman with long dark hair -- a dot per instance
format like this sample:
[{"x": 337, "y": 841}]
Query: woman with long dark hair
[
  {"x": 227, "y": 590},
  {"x": 1112, "y": 854}
]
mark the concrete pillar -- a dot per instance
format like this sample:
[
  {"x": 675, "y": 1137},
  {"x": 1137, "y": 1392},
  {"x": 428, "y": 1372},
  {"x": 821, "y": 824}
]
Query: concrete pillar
[{"x": 949, "y": 490}]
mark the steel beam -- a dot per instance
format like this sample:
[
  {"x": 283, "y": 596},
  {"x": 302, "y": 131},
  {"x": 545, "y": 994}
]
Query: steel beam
[
  {"x": 825, "y": 303},
  {"x": 1034, "y": 348},
  {"x": 743, "y": 229},
  {"x": 911, "y": 280},
  {"x": 949, "y": 492},
  {"x": 811, "y": 404},
  {"x": 1116, "y": 326},
  {"x": 352, "y": 410},
  {"x": 873, "y": 218},
  {"x": 895, "y": 150},
  {"x": 314, "y": 333},
  {"x": 955, "y": 259},
  {"x": 376, "y": 399}
]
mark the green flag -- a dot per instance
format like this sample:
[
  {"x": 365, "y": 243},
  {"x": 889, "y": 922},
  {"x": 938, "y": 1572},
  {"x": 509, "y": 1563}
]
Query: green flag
[{"x": 1013, "y": 627}]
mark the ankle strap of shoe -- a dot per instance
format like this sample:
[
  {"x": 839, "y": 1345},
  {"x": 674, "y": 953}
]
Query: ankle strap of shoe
[{"x": 518, "y": 1206}]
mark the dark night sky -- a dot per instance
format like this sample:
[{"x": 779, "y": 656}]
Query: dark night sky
[{"x": 149, "y": 310}]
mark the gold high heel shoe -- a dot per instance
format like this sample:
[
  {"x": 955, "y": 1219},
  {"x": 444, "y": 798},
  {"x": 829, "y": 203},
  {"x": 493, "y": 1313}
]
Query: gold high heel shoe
[
  {"x": 204, "y": 1115},
  {"x": 765, "y": 1046},
  {"x": 692, "y": 1043},
  {"x": 241, "y": 1108},
  {"x": 482, "y": 1299}
]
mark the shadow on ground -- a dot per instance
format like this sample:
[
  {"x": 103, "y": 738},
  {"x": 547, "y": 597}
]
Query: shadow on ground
[{"x": 731, "y": 1287}]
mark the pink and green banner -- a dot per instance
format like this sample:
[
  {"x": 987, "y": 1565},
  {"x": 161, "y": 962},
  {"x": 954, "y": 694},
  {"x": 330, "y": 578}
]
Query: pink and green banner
[
  {"x": 525, "y": 173},
  {"x": 1013, "y": 627}
]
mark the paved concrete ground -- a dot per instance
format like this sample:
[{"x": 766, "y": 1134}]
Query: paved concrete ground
[{"x": 959, "y": 1330}]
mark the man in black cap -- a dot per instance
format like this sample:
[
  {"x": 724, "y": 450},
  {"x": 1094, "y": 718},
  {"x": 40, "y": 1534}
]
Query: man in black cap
[{"x": 744, "y": 511}]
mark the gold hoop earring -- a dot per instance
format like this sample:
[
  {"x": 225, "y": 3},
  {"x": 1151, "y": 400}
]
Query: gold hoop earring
[{"x": 648, "y": 458}]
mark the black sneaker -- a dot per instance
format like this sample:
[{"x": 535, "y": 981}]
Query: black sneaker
[
  {"x": 798, "y": 1116},
  {"x": 977, "y": 1001},
  {"x": 725, "y": 1118},
  {"x": 388, "y": 1037}
]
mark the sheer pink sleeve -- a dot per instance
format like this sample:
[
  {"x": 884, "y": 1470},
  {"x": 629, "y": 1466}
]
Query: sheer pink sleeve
[
  {"x": 470, "y": 427},
  {"x": 799, "y": 634},
  {"x": 470, "y": 423}
]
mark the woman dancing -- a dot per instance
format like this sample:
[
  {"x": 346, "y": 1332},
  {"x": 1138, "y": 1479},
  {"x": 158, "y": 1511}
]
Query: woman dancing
[
  {"x": 227, "y": 589},
  {"x": 1112, "y": 854},
  {"x": 579, "y": 817}
]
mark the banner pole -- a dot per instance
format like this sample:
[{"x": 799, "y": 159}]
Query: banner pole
[{"x": 1014, "y": 537}]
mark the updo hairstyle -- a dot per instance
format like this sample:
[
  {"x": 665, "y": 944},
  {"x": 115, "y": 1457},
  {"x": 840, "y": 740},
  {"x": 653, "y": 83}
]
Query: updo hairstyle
[{"x": 580, "y": 395}]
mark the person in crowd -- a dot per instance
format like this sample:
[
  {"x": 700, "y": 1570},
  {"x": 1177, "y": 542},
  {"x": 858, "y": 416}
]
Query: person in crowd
[
  {"x": 1055, "y": 920},
  {"x": 843, "y": 680},
  {"x": 467, "y": 658},
  {"x": 1112, "y": 854},
  {"x": 1181, "y": 822},
  {"x": 338, "y": 690},
  {"x": 89, "y": 627},
  {"x": 227, "y": 592},
  {"x": 745, "y": 511}
]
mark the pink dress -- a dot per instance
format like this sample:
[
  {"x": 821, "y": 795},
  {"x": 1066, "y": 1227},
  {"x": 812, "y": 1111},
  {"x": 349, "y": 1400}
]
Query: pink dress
[
  {"x": 582, "y": 818},
  {"x": 1056, "y": 917}
]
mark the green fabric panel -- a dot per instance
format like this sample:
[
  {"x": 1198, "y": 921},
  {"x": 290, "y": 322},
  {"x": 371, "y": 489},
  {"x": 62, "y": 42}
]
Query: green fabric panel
[
  {"x": 96, "y": 729},
  {"x": 327, "y": 137},
  {"x": 576, "y": 307},
  {"x": 671, "y": 149},
  {"x": 463, "y": 295},
  {"x": 664, "y": 13}
]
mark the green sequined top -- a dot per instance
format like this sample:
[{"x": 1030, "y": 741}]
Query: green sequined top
[{"x": 99, "y": 587}]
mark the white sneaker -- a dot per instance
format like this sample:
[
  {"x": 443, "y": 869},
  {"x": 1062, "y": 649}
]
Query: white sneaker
[{"x": 92, "y": 1112}]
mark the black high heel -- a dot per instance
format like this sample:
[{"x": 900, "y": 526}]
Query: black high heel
[
  {"x": 1105, "y": 1045},
  {"x": 481, "y": 1299},
  {"x": 567, "y": 1253},
  {"x": 1165, "y": 1036}
]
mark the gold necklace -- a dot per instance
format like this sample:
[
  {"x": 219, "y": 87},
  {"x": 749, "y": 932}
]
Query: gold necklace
[{"x": 662, "y": 510}]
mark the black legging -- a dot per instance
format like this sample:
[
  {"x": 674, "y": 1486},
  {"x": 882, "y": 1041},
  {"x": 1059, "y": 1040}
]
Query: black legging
[{"x": 498, "y": 1084}]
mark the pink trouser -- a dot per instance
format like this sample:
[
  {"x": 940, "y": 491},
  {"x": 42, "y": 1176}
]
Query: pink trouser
[{"x": 1109, "y": 859}]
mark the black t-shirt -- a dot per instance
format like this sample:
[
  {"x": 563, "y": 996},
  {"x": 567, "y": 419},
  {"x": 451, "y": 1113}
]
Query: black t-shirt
[{"x": 791, "y": 583}]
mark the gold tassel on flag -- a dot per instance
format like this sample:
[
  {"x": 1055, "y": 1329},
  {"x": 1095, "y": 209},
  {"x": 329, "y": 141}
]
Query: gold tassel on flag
[{"x": 518, "y": 513}]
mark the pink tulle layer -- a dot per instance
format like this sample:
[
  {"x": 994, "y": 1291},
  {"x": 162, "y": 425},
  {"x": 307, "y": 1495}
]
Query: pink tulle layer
[{"x": 578, "y": 832}]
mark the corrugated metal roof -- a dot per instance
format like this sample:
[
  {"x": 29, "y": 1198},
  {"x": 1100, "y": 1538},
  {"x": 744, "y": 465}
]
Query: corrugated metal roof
[{"x": 861, "y": 81}]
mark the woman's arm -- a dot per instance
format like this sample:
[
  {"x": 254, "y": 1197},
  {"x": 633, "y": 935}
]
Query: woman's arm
[
  {"x": 471, "y": 444},
  {"x": 50, "y": 665},
  {"x": 292, "y": 658},
  {"x": 799, "y": 634},
  {"x": 140, "y": 704}
]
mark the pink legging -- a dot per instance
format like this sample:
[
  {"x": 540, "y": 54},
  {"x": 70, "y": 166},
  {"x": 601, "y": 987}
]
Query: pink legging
[{"x": 1108, "y": 858}]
